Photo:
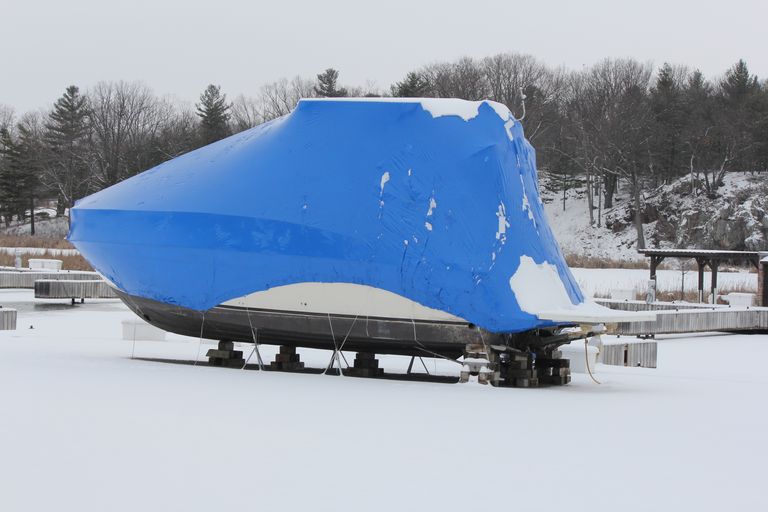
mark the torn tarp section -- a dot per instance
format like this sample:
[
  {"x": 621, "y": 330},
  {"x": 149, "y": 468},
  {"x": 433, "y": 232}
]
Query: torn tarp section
[{"x": 435, "y": 200}]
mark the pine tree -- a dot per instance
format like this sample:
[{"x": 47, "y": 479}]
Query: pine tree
[
  {"x": 739, "y": 97},
  {"x": 738, "y": 84},
  {"x": 213, "y": 111},
  {"x": 30, "y": 160},
  {"x": 67, "y": 140},
  {"x": 414, "y": 85},
  {"x": 667, "y": 106},
  {"x": 327, "y": 85}
]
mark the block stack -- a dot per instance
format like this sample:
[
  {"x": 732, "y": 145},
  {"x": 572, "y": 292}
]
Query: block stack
[
  {"x": 225, "y": 355},
  {"x": 287, "y": 360},
  {"x": 365, "y": 365}
]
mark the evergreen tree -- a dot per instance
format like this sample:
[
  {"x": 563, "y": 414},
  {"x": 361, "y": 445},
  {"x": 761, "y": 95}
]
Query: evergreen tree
[
  {"x": 30, "y": 154},
  {"x": 739, "y": 113},
  {"x": 213, "y": 111},
  {"x": 67, "y": 144},
  {"x": 11, "y": 177},
  {"x": 738, "y": 84},
  {"x": 19, "y": 173},
  {"x": 698, "y": 131},
  {"x": 327, "y": 85},
  {"x": 669, "y": 118},
  {"x": 414, "y": 85}
]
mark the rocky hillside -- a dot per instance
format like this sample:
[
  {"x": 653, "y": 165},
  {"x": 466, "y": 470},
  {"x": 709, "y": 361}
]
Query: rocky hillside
[{"x": 737, "y": 219}]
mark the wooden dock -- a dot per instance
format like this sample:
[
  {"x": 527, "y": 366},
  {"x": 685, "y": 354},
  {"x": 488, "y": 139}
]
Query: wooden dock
[
  {"x": 7, "y": 319},
  {"x": 672, "y": 318},
  {"x": 641, "y": 354},
  {"x": 26, "y": 279},
  {"x": 73, "y": 289}
]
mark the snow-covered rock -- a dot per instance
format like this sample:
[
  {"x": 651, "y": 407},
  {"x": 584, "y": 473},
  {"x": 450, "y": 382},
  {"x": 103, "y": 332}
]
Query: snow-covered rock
[{"x": 736, "y": 218}]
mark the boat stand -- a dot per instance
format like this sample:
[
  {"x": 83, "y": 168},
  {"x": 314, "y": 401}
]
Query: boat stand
[
  {"x": 506, "y": 367},
  {"x": 225, "y": 355},
  {"x": 365, "y": 365},
  {"x": 287, "y": 360}
]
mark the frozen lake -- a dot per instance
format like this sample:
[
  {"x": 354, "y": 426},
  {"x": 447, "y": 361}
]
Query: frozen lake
[{"x": 83, "y": 427}]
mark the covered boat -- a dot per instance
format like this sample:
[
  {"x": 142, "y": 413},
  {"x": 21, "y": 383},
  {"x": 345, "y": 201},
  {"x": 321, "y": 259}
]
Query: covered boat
[{"x": 406, "y": 226}]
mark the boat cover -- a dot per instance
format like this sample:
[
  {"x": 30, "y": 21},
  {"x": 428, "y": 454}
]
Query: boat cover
[{"x": 435, "y": 200}]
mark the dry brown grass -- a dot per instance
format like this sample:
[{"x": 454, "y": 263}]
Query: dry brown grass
[
  {"x": 76, "y": 262},
  {"x": 693, "y": 295},
  {"x": 34, "y": 241},
  {"x": 583, "y": 261}
]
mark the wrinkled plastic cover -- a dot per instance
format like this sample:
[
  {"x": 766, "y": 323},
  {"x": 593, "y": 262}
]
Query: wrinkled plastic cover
[{"x": 435, "y": 200}]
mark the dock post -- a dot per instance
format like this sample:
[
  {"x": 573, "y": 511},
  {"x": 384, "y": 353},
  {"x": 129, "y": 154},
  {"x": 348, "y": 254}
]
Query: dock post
[{"x": 701, "y": 264}]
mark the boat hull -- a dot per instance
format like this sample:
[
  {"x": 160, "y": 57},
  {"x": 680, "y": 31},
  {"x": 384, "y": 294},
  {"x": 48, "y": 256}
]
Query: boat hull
[{"x": 314, "y": 329}]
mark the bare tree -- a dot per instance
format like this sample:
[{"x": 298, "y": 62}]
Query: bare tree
[
  {"x": 508, "y": 73},
  {"x": 246, "y": 113},
  {"x": 463, "y": 79},
  {"x": 124, "y": 117},
  {"x": 280, "y": 98},
  {"x": 6, "y": 117}
]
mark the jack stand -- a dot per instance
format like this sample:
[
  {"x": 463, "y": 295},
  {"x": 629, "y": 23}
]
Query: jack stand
[
  {"x": 287, "y": 360},
  {"x": 365, "y": 365},
  {"x": 225, "y": 355}
]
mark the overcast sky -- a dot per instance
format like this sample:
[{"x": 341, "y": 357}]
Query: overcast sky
[{"x": 177, "y": 47}]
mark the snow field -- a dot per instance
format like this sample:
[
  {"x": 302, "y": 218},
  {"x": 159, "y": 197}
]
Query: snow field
[{"x": 83, "y": 427}]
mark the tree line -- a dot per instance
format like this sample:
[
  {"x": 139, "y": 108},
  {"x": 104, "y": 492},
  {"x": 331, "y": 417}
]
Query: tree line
[{"x": 619, "y": 121}]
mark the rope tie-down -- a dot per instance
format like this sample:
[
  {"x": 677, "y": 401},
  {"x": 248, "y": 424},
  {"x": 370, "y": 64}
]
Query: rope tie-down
[
  {"x": 255, "y": 334},
  {"x": 337, "y": 349},
  {"x": 586, "y": 360}
]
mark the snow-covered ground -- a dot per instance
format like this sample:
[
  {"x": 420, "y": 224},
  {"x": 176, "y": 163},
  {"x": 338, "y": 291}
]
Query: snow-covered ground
[
  {"x": 56, "y": 227},
  {"x": 84, "y": 427},
  {"x": 576, "y": 237},
  {"x": 741, "y": 197}
]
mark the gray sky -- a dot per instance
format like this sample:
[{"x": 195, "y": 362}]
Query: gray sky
[{"x": 177, "y": 47}]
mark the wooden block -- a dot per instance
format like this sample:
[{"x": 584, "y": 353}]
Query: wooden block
[
  {"x": 553, "y": 363},
  {"x": 224, "y": 354},
  {"x": 516, "y": 365},
  {"x": 526, "y": 383},
  {"x": 518, "y": 374}
]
